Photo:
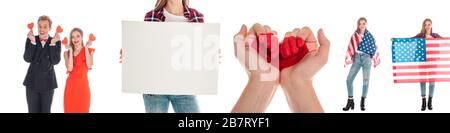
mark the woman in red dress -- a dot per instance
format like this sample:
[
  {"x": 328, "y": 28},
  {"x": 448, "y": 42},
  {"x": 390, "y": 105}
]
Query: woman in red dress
[{"x": 78, "y": 62}]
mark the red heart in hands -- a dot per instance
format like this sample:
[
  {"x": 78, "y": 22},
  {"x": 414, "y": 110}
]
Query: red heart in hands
[
  {"x": 59, "y": 29},
  {"x": 92, "y": 37},
  {"x": 64, "y": 41},
  {"x": 30, "y": 26},
  {"x": 263, "y": 46},
  {"x": 292, "y": 50}
]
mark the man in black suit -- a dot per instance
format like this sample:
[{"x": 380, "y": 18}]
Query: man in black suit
[{"x": 42, "y": 52}]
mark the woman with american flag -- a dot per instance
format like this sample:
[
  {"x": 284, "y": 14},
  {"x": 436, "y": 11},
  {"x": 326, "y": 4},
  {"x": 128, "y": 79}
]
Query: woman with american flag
[
  {"x": 427, "y": 32},
  {"x": 361, "y": 51}
]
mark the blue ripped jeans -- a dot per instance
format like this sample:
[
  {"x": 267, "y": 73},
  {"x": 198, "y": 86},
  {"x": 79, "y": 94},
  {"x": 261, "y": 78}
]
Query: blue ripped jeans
[
  {"x": 180, "y": 103},
  {"x": 361, "y": 60}
]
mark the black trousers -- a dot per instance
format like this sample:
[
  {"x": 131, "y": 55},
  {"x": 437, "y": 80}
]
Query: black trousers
[{"x": 39, "y": 101}]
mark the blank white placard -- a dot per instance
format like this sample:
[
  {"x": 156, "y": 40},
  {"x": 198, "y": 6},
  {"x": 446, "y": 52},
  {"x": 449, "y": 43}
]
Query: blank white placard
[{"x": 170, "y": 58}]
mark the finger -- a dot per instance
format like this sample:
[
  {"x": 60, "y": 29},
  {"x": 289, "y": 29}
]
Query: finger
[
  {"x": 285, "y": 46},
  {"x": 242, "y": 32},
  {"x": 259, "y": 29},
  {"x": 288, "y": 34},
  {"x": 272, "y": 36},
  {"x": 293, "y": 43},
  {"x": 275, "y": 33},
  {"x": 275, "y": 43},
  {"x": 296, "y": 31},
  {"x": 250, "y": 39},
  {"x": 31, "y": 34},
  {"x": 239, "y": 40},
  {"x": 267, "y": 29},
  {"x": 305, "y": 33},
  {"x": 292, "y": 49},
  {"x": 310, "y": 40},
  {"x": 251, "y": 31},
  {"x": 324, "y": 44}
]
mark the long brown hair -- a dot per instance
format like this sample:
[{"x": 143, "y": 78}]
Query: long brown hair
[
  {"x": 160, "y": 4},
  {"x": 357, "y": 24},
  {"x": 81, "y": 33},
  {"x": 424, "y": 31}
]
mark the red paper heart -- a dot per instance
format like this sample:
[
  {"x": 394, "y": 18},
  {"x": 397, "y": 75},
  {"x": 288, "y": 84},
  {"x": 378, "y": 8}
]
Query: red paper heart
[
  {"x": 30, "y": 26},
  {"x": 92, "y": 37},
  {"x": 59, "y": 29},
  {"x": 292, "y": 51},
  {"x": 64, "y": 41},
  {"x": 263, "y": 46}
]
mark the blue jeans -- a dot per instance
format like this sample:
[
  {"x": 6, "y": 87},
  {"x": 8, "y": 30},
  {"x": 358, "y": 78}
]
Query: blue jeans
[
  {"x": 423, "y": 89},
  {"x": 180, "y": 103},
  {"x": 360, "y": 60}
]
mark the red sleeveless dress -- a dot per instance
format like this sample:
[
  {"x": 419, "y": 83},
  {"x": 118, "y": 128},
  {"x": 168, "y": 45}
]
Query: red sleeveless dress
[{"x": 77, "y": 95}]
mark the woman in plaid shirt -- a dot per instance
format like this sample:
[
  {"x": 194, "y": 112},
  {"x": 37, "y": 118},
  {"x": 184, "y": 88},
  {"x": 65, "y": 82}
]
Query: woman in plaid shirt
[
  {"x": 172, "y": 11},
  {"x": 427, "y": 32}
]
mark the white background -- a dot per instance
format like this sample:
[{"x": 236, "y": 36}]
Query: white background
[{"x": 401, "y": 18}]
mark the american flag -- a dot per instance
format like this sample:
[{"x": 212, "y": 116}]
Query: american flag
[
  {"x": 365, "y": 44},
  {"x": 421, "y": 60}
]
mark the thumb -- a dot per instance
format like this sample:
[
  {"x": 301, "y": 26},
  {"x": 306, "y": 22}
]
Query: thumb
[{"x": 324, "y": 44}]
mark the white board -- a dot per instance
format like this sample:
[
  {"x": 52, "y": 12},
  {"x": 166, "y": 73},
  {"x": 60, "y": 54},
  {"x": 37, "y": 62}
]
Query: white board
[{"x": 170, "y": 58}]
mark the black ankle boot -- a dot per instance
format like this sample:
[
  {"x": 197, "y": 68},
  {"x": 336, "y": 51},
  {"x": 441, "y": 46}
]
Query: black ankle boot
[
  {"x": 430, "y": 106},
  {"x": 424, "y": 104},
  {"x": 350, "y": 105},
  {"x": 363, "y": 108}
]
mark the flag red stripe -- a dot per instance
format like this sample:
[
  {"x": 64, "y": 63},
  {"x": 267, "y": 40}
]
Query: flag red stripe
[
  {"x": 438, "y": 59},
  {"x": 421, "y": 66},
  {"x": 422, "y": 80},
  {"x": 422, "y": 73},
  {"x": 439, "y": 52},
  {"x": 438, "y": 44},
  {"x": 444, "y": 38}
]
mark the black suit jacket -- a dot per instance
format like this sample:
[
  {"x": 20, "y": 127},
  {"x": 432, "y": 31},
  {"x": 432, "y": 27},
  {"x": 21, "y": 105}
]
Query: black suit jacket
[{"x": 41, "y": 74}]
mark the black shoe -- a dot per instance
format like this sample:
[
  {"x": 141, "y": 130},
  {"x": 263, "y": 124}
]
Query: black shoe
[
  {"x": 424, "y": 104},
  {"x": 363, "y": 108},
  {"x": 350, "y": 105},
  {"x": 430, "y": 106}
]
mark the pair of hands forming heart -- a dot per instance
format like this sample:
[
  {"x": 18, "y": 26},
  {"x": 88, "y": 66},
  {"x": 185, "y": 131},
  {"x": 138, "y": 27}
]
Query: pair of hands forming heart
[
  {"x": 291, "y": 52},
  {"x": 298, "y": 58}
]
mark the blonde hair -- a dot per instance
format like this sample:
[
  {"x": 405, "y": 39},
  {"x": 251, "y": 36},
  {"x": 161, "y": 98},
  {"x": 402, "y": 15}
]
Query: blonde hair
[
  {"x": 45, "y": 18},
  {"x": 359, "y": 20},
  {"x": 160, "y": 4},
  {"x": 81, "y": 33}
]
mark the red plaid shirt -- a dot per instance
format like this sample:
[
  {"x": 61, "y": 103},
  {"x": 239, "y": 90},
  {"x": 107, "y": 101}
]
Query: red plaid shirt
[{"x": 191, "y": 14}]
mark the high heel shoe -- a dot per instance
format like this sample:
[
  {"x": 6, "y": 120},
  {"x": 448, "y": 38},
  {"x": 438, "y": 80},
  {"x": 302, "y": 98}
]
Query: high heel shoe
[
  {"x": 363, "y": 108},
  {"x": 424, "y": 104},
  {"x": 350, "y": 105},
  {"x": 430, "y": 106}
]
